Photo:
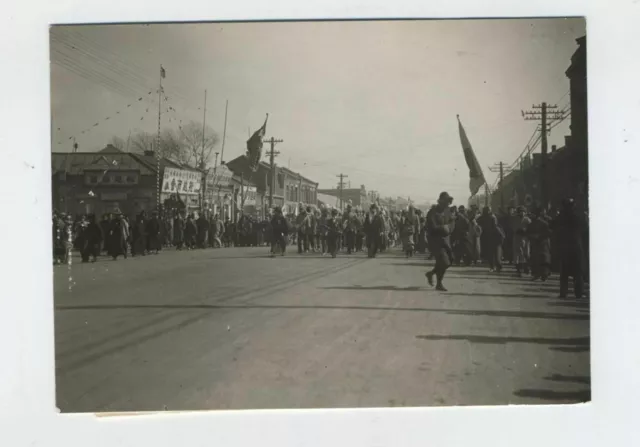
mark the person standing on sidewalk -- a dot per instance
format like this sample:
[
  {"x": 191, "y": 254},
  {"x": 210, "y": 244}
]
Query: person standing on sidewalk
[
  {"x": 540, "y": 238},
  {"x": 439, "y": 225},
  {"x": 570, "y": 227},
  {"x": 178, "y": 231},
  {"x": 495, "y": 239},
  {"x": 153, "y": 233},
  {"x": 520, "y": 242}
]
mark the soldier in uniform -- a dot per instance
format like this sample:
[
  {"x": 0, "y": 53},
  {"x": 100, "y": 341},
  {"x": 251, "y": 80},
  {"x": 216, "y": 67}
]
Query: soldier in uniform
[
  {"x": 334, "y": 231},
  {"x": 439, "y": 223},
  {"x": 373, "y": 227},
  {"x": 280, "y": 229}
]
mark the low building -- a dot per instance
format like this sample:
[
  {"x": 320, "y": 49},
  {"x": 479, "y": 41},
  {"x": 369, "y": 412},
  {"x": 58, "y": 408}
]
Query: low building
[
  {"x": 248, "y": 199},
  {"x": 289, "y": 188},
  {"x": 108, "y": 180},
  {"x": 345, "y": 196}
]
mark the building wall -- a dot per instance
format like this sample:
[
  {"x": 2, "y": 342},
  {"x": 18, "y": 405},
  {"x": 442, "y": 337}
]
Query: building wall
[
  {"x": 74, "y": 194},
  {"x": 358, "y": 197}
]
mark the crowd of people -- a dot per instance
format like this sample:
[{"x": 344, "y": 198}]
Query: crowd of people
[{"x": 535, "y": 242}]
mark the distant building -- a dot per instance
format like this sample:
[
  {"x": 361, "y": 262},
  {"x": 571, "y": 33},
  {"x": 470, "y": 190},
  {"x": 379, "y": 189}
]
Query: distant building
[
  {"x": 289, "y": 188},
  {"x": 567, "y": 166},
  {"x": 354, "y": 196}
]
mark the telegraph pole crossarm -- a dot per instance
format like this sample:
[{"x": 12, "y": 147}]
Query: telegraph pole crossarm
[
  {"x": 272, "y": 164},
  {"x": 544, "y": 113},
  {"x": 341, "y": 188},
  {"x": 500, "y": 168}
]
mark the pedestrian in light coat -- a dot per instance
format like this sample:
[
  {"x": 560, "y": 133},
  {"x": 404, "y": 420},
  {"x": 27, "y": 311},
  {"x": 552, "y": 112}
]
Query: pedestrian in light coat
[{"x": 539, "y": 235}]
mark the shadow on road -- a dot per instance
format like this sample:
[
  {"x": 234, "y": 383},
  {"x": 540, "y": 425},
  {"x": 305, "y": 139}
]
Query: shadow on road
[
  {"x": 489, "y": 313},
  {"x": 388, "y": 288},
  {"x": 576, "y": 396},
  {"x": 582, "y": 304},
  {"x": 497, "y": 295},
  {"x": 571, "y": 349},
  {"x": 569, "y": 379},
  {"x": 495, "y": 340}
]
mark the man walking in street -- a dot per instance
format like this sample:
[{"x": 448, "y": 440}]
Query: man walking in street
[
  {"x": 439, "y": 222},
  {"x": 280, "y": 229}
]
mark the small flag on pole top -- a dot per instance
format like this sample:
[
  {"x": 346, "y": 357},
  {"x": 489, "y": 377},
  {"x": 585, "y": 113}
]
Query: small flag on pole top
[
  {"x": 163, "y": 74},
  {"x": 476, "y": 177}
]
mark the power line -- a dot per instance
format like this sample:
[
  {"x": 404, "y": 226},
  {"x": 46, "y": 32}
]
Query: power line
[
  {"x": 115, "y": 60},
  {"x": 105, "y": 67}
]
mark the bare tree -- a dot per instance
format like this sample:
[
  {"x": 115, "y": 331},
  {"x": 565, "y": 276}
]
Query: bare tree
[
  {"x": 195, "y": 152},
  {"x": 118, "y": 143},
  {"x": 143, "y": 141},
  {"x": 171, "y": 146}
]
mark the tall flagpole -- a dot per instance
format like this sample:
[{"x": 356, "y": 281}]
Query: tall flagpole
[
  {"x": 224, "y": 132},
  {"x": 158, "y": 138},
  {"x": 202, "y": 163}
]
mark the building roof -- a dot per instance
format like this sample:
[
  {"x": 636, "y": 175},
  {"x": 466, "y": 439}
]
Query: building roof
[
  {"x": 241, "y": 162},
  {"x": 110, "y": 149},
  {"x": 336, "y": 192},
  {"x": 297, "y": 174},
  {"x": 78, "y": 162},
  {"x": 75, "y": 163}
]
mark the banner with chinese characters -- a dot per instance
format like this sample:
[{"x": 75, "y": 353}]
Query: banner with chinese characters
[
  {"x": 181, "y": 181},
  {"x": 250, "y": 195},
  {"x": 220, "y": 176}
]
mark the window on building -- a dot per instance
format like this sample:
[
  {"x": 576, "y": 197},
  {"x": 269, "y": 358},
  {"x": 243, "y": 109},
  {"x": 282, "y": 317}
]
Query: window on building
[
  {"x": 118, "y": 179},
  {"x": 130, "y": 179},
  {"x": 93, "y": 179}
]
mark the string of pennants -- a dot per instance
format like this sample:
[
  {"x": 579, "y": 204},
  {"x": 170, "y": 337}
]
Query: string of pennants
[{"x": 119, "y": 112}]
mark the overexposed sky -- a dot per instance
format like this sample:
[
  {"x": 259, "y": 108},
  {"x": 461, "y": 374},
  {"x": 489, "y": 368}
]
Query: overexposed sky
[{"x": 374, "y": 100}]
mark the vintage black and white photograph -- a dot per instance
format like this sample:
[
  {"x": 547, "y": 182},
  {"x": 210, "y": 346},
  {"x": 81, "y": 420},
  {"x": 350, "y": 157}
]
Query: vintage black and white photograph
[{"x": 320, "y": 214}]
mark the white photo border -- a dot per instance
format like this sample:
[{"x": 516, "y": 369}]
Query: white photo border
[{"x": 27, "y": 409}]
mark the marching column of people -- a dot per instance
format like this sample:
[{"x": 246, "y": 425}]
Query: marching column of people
[{"x": 536, "y": 243}]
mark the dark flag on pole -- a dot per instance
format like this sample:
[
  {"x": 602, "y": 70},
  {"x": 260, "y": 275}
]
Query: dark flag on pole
[
  {"x": 163, "y": 74},
  {"x": 476, "y": 177},
  {"x": 254, "y": 146}
]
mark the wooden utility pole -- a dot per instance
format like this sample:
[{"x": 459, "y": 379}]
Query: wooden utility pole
[
  {"x": 486, "y": 195},
  {"x": 542, "y": 113},
  {"x": 499, "y": 167},
  {"x": 241, "y": 193},
  {"x": 341, "y": 188},
  {"x": 224, "y": 132},
  {"x": 160, "y": 91},
  {"x": 204, "y": 120},
  {"x": 272, "y": 166}
]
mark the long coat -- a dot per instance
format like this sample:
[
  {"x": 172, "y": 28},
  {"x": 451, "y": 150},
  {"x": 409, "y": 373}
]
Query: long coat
[
  {"x": 118, "y": 236},
  {"x": 153, "y": 234},
  {"x": 520, "y": 240},
  {"x": 139, "y": 236},
  {"x": 178, "y": 230},
  {"x": 439, "y": 222},
  {"x": 539, "y": 235},
  {"x": 570, "y": 229}
]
